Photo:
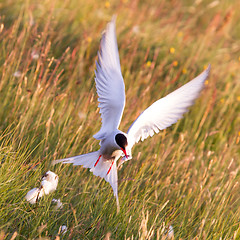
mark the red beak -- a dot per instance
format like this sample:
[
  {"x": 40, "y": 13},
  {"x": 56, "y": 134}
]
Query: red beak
[{"x": 125, "y": 153}]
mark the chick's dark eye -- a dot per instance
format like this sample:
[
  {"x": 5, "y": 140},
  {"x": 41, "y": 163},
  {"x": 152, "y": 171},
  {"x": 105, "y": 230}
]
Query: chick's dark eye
[{"x": 45, "y": 175}]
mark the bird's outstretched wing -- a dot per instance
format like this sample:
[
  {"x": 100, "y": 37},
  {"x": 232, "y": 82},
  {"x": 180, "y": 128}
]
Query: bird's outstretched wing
[
  {"x": 166, "y": 111},
  {"x": 109, "y": 82}
]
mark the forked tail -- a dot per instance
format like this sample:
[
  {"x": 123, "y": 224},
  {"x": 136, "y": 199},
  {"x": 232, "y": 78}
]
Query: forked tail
[{"x": 98, "y": 166}]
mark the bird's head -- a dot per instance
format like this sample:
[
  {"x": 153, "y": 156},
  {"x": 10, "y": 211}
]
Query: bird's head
[
  {"x": 50, "y": 176},
  {"x": 122, "y": 142}
]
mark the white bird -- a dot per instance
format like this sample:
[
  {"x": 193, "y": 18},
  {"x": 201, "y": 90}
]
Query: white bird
[
  {"x": 33, "y": 195},
  {"x": 48, "y": 184},
  {"x": 111, "y": 91}
]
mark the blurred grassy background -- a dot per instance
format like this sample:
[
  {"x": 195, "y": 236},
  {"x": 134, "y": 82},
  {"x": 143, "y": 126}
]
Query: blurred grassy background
[{"x": 186, "y": 177}]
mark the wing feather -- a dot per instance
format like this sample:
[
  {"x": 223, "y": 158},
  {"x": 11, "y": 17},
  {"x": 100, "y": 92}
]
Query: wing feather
[
  {"x": 109, "y": 82},
  {"x": 166, "y": 111}
]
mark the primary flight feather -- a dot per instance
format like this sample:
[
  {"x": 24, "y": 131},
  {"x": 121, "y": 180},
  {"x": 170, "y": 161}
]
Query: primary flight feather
[{"x": 111, "y": 97}]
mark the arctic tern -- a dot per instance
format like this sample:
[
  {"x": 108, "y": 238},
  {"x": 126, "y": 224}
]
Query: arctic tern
[{"x": 111, "y": 92}]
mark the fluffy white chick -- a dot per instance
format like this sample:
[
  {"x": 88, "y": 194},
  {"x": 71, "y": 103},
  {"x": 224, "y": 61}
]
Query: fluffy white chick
[
  {"x": 33, "y": 195},
  {"x": 49, "y": 182}
]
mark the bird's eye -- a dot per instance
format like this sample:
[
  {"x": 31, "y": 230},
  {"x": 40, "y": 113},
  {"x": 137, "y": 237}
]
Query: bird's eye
[
  {"x": 45, "y": 175},
  {"x": 121, "y": 140}
]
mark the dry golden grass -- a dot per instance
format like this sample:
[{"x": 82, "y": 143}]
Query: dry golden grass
[{"x": 186, "y": 177}]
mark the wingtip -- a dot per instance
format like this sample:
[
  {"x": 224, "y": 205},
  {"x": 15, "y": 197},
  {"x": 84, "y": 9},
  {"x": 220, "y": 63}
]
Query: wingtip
[
  {"x": 111, "y": 24},
  {"x": 54, "y": 162},
  {"x": 208, "y": 68},
  {"x": 65, "y": 160},
  {"x": 114, "y": 17},
  {"x": 206, "y": 72}
]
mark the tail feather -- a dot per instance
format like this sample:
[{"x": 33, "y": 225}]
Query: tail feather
[
  {"x": 101, "y": 169},
  {"x": 112, "y": 178},
  {"x": 86, "y": 160}
]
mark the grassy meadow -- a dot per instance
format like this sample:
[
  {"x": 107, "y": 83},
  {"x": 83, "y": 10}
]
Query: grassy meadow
[{"x": 186, "y": 177}]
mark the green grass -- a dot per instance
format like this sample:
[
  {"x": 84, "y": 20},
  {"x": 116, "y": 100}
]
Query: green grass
[{"x": 187, "y": 176}]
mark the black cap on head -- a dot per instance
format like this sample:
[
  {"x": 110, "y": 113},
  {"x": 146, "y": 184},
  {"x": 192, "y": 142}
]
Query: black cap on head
[{"x": 121, "y": 140}]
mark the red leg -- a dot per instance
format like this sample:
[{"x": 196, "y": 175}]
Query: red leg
[
  {"x": 97, "y": 161},
  {"x": 110, "y": 168}
]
